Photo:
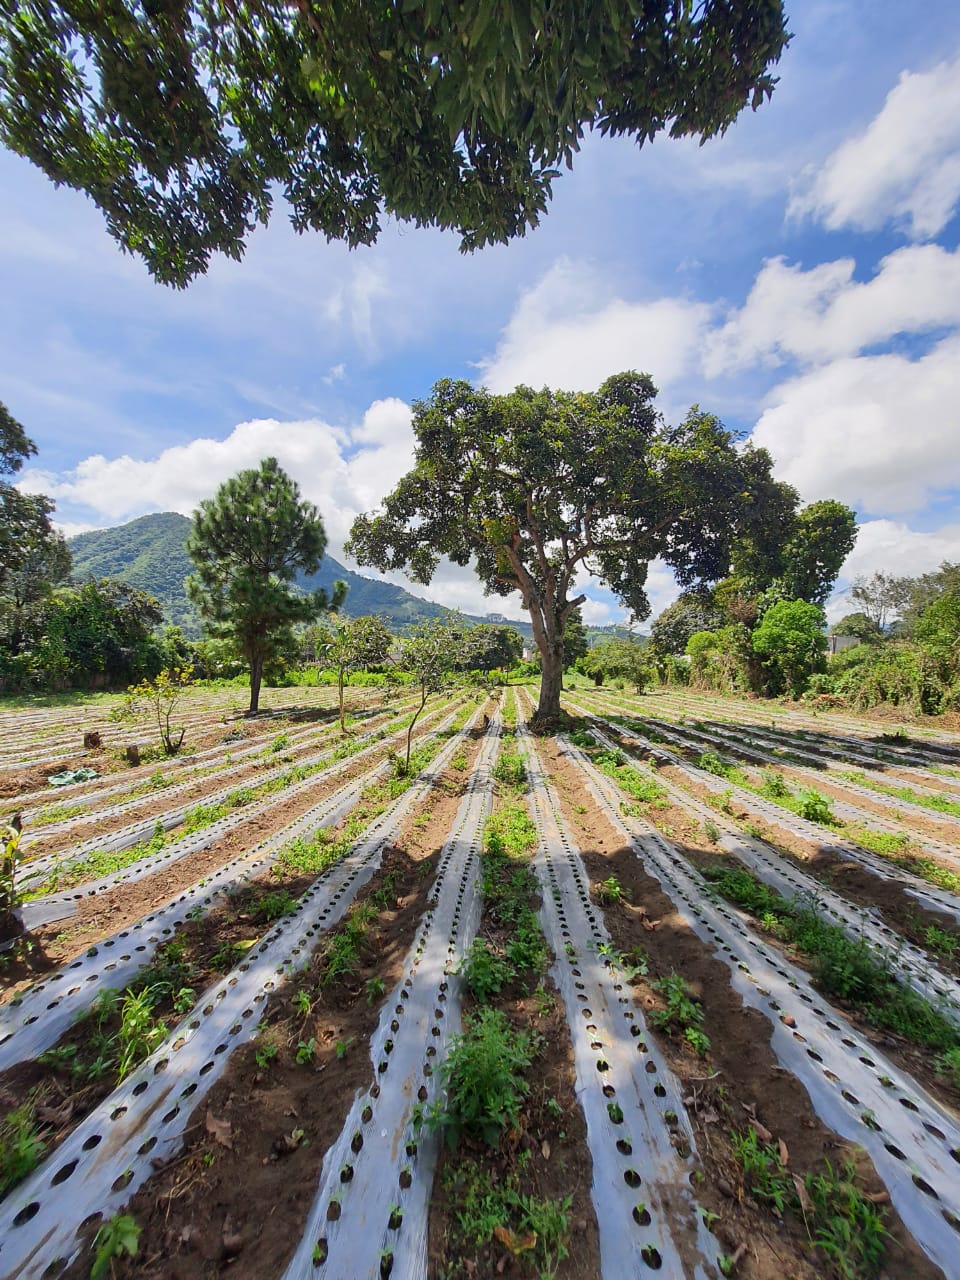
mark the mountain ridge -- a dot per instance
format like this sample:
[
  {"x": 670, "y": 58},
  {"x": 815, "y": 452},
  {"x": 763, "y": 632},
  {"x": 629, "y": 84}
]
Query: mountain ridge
[{"x": 150, "y": 553}]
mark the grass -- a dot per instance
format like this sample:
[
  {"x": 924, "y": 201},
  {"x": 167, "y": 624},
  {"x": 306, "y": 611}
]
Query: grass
[
  {"x": 942, "y": 804},
  {"x": 842, "y": 967},
  {"x": 21, "y": 1146},
  {"x": 841, "y": 1223}
]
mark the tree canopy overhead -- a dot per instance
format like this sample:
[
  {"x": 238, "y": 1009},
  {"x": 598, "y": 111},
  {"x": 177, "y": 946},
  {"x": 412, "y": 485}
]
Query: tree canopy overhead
[
  {"x": 535, "y": 487},
  {"x": 181, "y": 120}
]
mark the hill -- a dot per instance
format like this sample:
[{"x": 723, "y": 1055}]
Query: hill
[{"x": 151, "y": 553}]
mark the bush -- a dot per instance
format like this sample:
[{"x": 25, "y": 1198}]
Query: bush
[{"x": 482, "y": 1077}]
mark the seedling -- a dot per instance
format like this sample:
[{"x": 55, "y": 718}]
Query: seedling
[
  {"x": 342, "y": 1047},
  {"x": 305, "y": 1051},
  {"x": 302, "y": 1003},
  {"x": 375, "y": 989},
  {"x": 610, "y": 891},
  {"x": 118, "y": 1236}
]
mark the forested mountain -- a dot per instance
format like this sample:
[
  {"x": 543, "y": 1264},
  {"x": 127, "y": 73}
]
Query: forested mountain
[{"x": 150, "y": 553}]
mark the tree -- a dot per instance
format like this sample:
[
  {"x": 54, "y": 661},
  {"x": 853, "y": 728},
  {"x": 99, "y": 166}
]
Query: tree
[
  {"x": 351, "y": 646},
  {"x": 881, "y": 597},
  {"x": 181, "y": 121},
  {"x": 859, "y": 626},
  {"x": 100, "y": 632},
  {"x": 575, "y": 644},
  {"x": 534, "y": 486},
  {"x": 489, "y": 646},
  {"x": 689, "y": 613},
  {"x": 33, "y": 558},
  {"x": 157, "y": 699},
  {"x": 823, "y": 536},
  {"x": 618, "y": 659},
  {"x": 791, "y": 641},
  {"x": 247, "y": 544},
  {"x": 430, "y": 653}
]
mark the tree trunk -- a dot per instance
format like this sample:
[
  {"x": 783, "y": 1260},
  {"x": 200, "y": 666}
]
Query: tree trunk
[
  {"x": 423, "y": 703},
  {"x": 256, "y": 676},
  {"x": 551, "y": 684}
]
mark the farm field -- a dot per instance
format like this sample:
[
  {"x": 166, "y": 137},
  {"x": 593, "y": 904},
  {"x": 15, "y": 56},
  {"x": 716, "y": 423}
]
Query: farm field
[{"x": 674, "y": 992}]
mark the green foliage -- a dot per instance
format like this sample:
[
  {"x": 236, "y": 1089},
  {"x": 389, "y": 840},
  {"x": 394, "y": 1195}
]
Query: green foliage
[
  {"x": 115, "y": 1238},
  {"x": 815, "y": 808},
  {"x": 507, "y": 483},
  {"x": 791, "y": 642},
  {"x": 429, "y": 654},
  {"x": 420, "y": 114},
  {"x": 485, "y": 972},
  {"x": 690, "y": 613},
  {"x": 21, "y": 1147},
  {"x": 682, "y": 1013},
  {"x": 352, "y": 645},
  {"x": 485, "y": 1201},
  {"x": 247, "y": 544},
  {"x": 510, "y": 770},
  {"x": 483, "y": 1079},
  {"x": 10, "y": 859},
  {"x": 158, "y": 698},
  {"x": 766, "y": 1176},
  {"x": 841, "y": 966},
  {"x": 610, "y": 891}
]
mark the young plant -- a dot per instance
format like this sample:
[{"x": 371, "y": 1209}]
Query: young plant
[
  {"x": 485, "y": 972},
  {"x": 483, "y": 1079},
  {"x": 157, "y": 699},
  {"x": 21, "y": 1147},
  {"x": 610, "y": 891},
  {"x": 118, "y": 1236},
  {"x": 682, "y": 1014}
]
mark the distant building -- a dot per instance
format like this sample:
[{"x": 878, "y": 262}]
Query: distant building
[
  {"x": 496, "y": 617},
  {"x": 837, "y": 644}
]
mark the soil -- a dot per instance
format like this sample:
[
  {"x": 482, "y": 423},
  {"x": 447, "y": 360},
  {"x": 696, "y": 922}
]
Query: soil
[
  {"x": 740, "y": 1084},
  {"x": 851, "y": 879},
  {"x": 114, "y": 909},
  {"x": 217, "y": 1207},
  {"x": 545, "y": 1155}
]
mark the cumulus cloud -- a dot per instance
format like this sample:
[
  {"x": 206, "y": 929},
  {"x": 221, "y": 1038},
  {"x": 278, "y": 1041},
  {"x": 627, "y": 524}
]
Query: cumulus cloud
[
  {"x": 567, "y": 331},
  {"x": 879, "y": 432},
  {"x": 824, "y": 313},
  {"x": 890, "y": 546},
  {"x": 343, "y": 472},
  {"x": 903, "y": 168}
]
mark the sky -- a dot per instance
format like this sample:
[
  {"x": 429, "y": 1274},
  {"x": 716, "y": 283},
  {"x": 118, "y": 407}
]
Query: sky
[{"x": 799, "y": 277}]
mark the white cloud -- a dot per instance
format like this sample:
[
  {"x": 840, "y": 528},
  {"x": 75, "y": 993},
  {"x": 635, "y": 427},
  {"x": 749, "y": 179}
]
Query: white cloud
[
  {"x": 568, "y": 331},
  {"x": 823, "y": 313},
  {"x": 342, "y": 472},
  {"x": 879, "y": 432},
  {"x": 890, "y": 546},
  {"x": 904, "y": 167}
]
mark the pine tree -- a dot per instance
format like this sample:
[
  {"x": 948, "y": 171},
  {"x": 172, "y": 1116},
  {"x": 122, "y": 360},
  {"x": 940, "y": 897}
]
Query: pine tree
[{"x": 247, "y": 544}]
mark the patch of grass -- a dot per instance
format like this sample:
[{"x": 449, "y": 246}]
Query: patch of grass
[
  {"x": 95, "y": 865},
  {"x": 488, "y": 1206},
  {"x": 21, "y": 1146},
  {"x": 940, "y": 803},
  {"x": 841, "y": 1223},
  {"x": 840, "y": 966}
]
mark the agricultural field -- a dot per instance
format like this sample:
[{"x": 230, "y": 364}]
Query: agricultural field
[{"x": 673, "y": 992}]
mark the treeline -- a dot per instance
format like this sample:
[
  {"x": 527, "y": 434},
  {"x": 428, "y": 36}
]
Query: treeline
[
  {"x": 908, "y": 645},
  {"x": 901, "y": 647}
]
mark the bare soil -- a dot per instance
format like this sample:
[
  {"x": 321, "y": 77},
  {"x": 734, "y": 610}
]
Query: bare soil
[{"x": 740, "y": 1084}]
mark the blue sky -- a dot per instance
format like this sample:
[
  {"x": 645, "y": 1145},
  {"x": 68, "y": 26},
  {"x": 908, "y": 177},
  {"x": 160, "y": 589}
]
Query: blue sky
[{"x": 799, "y": 277}]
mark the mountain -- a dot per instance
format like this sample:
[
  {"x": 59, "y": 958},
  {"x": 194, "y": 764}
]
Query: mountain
[{"x": 151, "y": 553}]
